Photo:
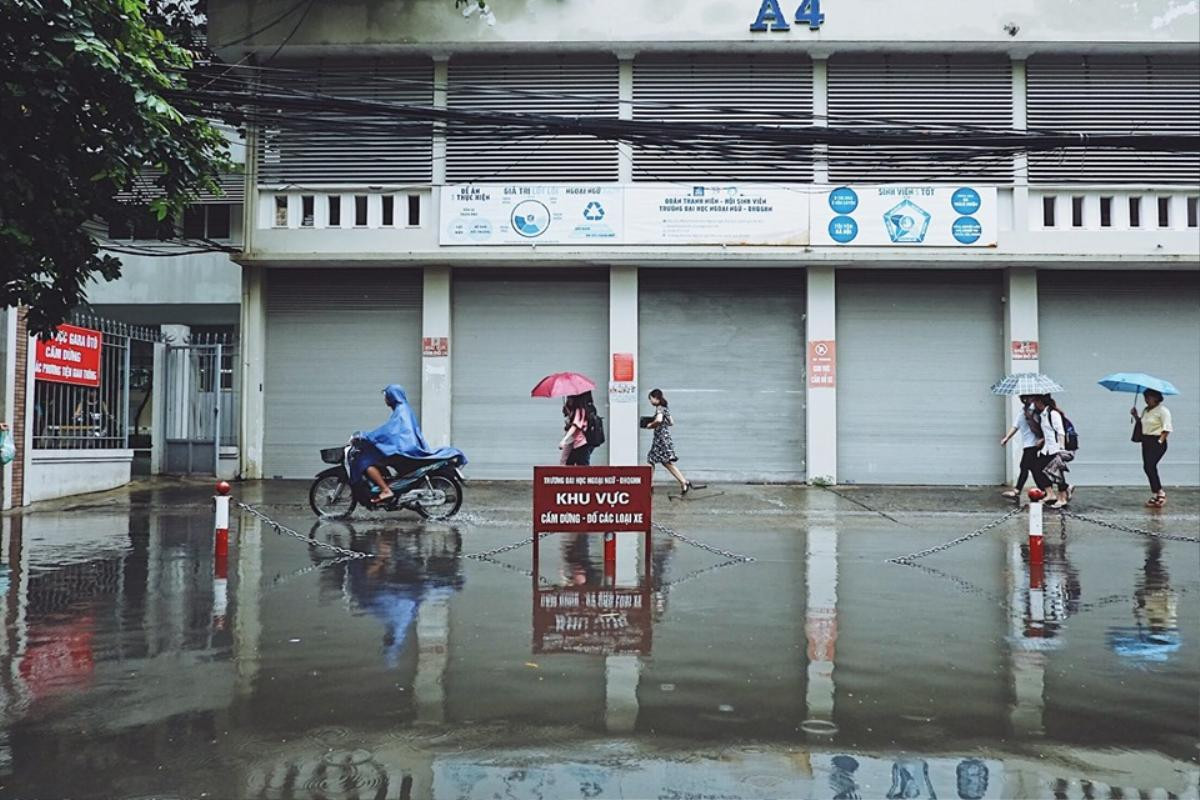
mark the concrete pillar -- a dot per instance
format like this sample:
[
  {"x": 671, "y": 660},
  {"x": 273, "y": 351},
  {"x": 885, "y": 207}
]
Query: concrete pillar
[
  {"x": 821, "y": 416},
  {"x": 441, "y": 75},
  {"x": 820, "y": 94},
  {"x": 622, "y": 429},
  {"x": 158, "y": 393},
  {"x": 1020, "y": 122},
  {"x": 435, "y": 363},
  {"x": 820, "y": 620},
  {"x": 252, "y": 356},
  {"x": 1021, "y": 348},
  {"x": 624, "y": 111},
  {"x": 178, "y": 383},
  {"x": 8, "y": 392}
]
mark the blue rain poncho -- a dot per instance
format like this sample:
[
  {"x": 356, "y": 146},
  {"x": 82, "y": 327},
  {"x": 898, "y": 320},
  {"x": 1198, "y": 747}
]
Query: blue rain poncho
[{"x": 399, "y": 436}]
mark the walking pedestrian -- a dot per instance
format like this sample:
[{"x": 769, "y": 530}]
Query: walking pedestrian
[
  {"x": 1153, "y": 427},
  {"x": 1051, "y": 467},
  {"x": 574, "y": 448},
  {"x": 1024, "y": 423},
  {"x": 662, "y": 448}
]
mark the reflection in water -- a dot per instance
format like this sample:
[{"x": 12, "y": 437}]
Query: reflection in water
[
  {"x": 126, "y": 671},
  {"x": 1155, "y": 634}
]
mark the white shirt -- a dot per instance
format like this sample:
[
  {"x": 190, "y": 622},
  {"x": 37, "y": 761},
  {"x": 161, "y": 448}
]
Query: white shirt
[
  {"x": 1021, "y": 423},
  {"x": 1052, "y": 428}
]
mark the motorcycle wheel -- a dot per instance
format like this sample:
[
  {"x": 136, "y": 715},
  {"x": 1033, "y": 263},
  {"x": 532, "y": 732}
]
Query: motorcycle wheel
[
  {"x": 330, "y": 497},
  {"x": 453, "y": 492}
]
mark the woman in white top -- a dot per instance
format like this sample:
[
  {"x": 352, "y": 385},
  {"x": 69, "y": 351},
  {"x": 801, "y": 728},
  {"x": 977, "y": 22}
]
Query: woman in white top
[
  {"x": 1054, "y": 444},
  {"x": 1026, "y": 424},
  {"x": 1156, "y": 427}
]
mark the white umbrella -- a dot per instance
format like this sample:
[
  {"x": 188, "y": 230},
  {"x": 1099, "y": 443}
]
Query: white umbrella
[{"x": 1026, "y": 383}]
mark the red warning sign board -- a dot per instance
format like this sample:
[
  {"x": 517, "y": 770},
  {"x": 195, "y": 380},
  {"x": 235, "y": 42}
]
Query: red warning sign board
[
  {"x": 822, "y": 363},
  {"x": 71, "y": 356},
  {"x": 591, "y": 499}
]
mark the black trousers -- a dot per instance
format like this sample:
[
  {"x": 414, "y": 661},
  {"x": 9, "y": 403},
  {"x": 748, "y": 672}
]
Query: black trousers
[
  {"x": 580, "y": 456},
  {"x": 1152, "y": 453},
  {"x": 1028, "y": 465},
  {"x": 1041, "y": 478}
]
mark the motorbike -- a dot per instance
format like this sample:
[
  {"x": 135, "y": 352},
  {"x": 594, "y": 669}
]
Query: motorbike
[{"x": 431, "y": 487}]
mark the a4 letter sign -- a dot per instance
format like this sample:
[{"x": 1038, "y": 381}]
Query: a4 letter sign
[{"x": 770, "y": 16}]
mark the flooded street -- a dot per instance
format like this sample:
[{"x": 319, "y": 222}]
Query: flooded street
[{"x": 759, "y": 645}]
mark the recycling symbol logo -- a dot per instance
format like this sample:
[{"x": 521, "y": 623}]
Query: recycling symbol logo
[{"x": 594, "y": 212}]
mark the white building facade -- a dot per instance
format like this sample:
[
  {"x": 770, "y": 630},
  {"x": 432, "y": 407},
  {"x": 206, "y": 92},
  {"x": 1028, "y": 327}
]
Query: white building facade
[{"x": 814, "y": 312}]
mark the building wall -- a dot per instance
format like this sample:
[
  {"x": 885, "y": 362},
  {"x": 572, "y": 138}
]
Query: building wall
[{"x": 397, "y": 23}]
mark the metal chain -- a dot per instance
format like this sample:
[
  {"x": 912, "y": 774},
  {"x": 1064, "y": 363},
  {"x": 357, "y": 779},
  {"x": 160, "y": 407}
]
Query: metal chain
[
  {"x": 911, "y": 557},
  {"x": 280, "y": 580},
  {"x": 1114, "y": 526},
  {"x": 495, "y": 551},
  {"x": 280, "y": 528},
  {"x": 696, "y": 573},
  {"x": 728, "y": 554}
]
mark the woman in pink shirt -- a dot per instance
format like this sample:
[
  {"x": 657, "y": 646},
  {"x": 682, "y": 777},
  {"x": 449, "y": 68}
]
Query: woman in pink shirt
[{"x": 576, "y": 452}]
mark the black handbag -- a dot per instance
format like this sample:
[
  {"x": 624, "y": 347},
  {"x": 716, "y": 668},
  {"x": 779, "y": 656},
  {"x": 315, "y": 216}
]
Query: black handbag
[
  {"x": 644, "y": 422},
  {"x": 1136, "y": 436}
]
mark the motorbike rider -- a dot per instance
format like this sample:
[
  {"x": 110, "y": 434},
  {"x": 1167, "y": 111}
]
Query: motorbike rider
[{"x": 396, "y": 440}]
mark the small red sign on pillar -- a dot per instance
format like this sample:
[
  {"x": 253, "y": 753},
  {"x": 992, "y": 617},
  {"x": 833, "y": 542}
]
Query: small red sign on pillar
[
  {"x": 591, "y": 499},
  {"x": 1024, "y": 350},
  {"x": 822, "y": 364},
  {"x": 435, "y": 346},
  {"x": 622, "y": 366}
]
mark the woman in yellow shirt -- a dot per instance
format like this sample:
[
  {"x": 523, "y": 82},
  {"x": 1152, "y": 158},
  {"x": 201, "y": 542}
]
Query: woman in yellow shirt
[{"x": 1156, "y": 427}]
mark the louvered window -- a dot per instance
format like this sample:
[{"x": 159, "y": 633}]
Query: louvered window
[
  {"x": 145, "y": 188},
  {"x": 716, "y": 90},
  {"x": 1114, "y": 94},
  {"x": 931, "y": 93},
  {"x": 492, "y": 149},
  {"x": 342, "y": 145}
]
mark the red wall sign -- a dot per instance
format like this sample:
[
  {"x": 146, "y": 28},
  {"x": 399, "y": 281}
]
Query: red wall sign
[
  {"x": 1024, "y": 350},
  {"x": 591, "y": 499},
  {"x": 72, "y": 356},
  {"x": 822, "y": 363},
  {"x": 435, "y": 346}
]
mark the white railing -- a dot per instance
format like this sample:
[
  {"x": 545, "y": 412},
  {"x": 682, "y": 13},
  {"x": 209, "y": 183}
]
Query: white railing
[
  {"x": 344, "y": 208},
  {"x": 1088, "y": 208}
]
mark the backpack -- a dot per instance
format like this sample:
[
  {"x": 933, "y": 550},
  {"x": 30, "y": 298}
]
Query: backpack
[
  {"x": 595, "y": 429},
  {"x": 1072, "y": 436}
]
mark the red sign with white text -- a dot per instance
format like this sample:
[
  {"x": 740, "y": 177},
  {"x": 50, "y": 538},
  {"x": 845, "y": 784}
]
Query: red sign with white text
[
  {"x": 1024, "y": 350},
  {"x": 591, "y": 499},
  {"x": 71, "y": 355},
  {"x": 822, "y": 364}
]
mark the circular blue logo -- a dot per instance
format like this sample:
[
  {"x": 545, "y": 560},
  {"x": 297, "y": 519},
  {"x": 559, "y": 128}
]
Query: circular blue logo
[
  {"x": 530, "y": 218},
  {"x": 843, "y": 229},
  {"x": 843, "y": 200},
  {"x": 967, "y": 230},
  {"x": 965, "y": 200}
]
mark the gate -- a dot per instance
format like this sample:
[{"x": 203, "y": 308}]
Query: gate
[{"x": 201, "y": 404}]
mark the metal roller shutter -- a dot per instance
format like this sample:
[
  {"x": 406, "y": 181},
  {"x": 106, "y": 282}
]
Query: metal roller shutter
[
  {"x": 727, "y": 347},
  {"x": 1114, "y": 94},
  {"x": 341, "y": 146},
  {"x": 566, "y": 86},
  {"x": 937, "y": 93},
  {"x": 335, "y": 338},
  {"x": 511, "y": 330},
  {"x": 917, "y": 352},
  {"x": 713, "y": 90},
  {"x": 1094, "y": 323}
]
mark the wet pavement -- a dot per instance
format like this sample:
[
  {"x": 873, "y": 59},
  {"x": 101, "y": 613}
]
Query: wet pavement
[{"x": 760, "y": 647}]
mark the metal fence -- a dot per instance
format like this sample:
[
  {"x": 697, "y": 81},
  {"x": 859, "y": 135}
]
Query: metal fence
[
  {"x": 201, "y": 401},
  {"x": 72, "y": 417}
]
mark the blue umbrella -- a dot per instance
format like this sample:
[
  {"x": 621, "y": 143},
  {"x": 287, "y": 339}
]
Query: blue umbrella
[{"x": 1136, "y": 382}]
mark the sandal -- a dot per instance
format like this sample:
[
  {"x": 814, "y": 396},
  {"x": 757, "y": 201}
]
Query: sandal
[
  {"x": 687, "y": 487},
  {"x": 1062, "y": 502},
  {"x": 1156, "y": 502},
  {"x": 1010, "y": 494}
]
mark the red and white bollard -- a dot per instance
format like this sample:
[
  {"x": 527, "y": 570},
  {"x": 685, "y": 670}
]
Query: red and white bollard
[
  {"x": 610, "y": 559},
  {"x": 1036, "y": 549},
  {"x": 220, "y": 555}
]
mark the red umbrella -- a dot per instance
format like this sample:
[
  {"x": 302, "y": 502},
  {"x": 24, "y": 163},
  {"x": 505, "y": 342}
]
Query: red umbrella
[{"x": 562, "y": 384}]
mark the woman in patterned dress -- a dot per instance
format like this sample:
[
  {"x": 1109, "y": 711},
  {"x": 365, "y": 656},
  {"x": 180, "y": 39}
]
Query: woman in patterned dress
[{"x": 662, "y": 449}]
